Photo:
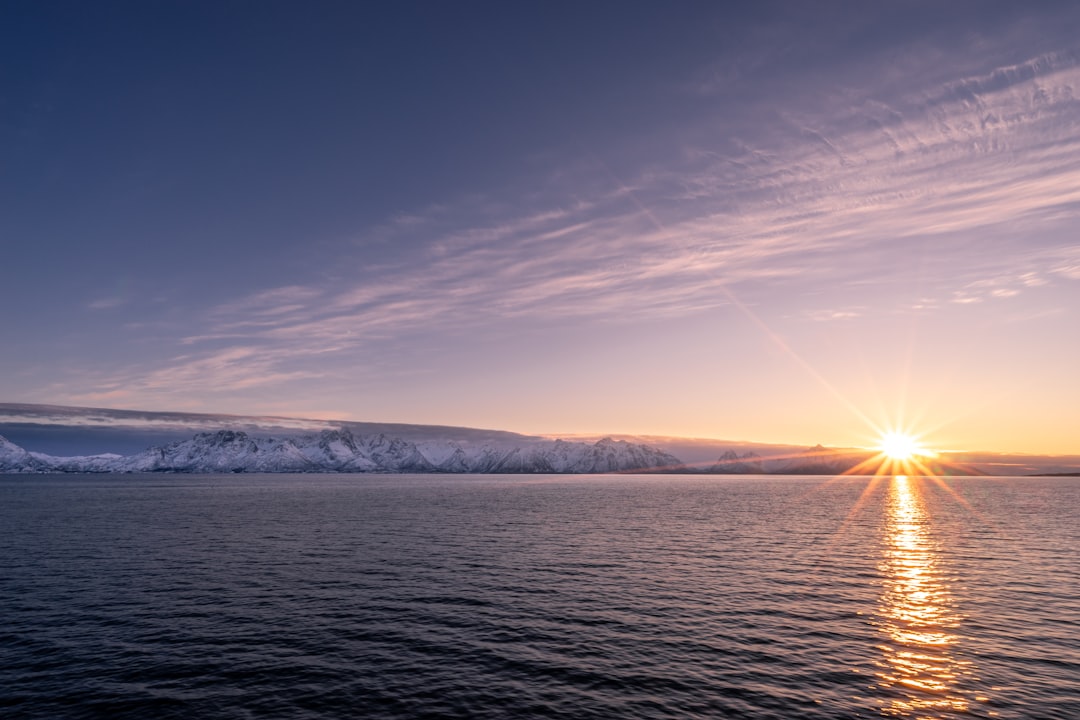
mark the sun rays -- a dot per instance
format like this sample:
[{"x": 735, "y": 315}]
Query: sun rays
[
  {"x": 900, "y": 446},
  {"x": 903, "y": 453}
]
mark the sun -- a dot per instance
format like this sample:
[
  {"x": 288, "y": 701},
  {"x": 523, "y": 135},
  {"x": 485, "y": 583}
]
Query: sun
[
  {"x": 899, "y": 446},
  {"x": 902, "y": 453}
]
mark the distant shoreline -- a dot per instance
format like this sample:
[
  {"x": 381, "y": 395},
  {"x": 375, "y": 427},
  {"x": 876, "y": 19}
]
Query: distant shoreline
[{"x": 63, "y": 439}]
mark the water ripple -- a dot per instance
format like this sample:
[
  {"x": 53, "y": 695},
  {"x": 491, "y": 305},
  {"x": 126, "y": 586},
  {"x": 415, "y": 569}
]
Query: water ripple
[{"x": 548, "y": 597}]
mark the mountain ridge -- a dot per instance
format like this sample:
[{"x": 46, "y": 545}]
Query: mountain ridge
[
  {"x": 339, "y": 450},
  {"x": 67, "y": 438}
]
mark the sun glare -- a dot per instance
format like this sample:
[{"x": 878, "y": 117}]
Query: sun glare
[
  {"x": 900, "y": 453},
  {"x": 899, "y": 446}
]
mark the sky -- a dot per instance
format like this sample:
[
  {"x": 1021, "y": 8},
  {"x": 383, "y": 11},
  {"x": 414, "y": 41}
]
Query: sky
[{"x": 773, "y": 221}]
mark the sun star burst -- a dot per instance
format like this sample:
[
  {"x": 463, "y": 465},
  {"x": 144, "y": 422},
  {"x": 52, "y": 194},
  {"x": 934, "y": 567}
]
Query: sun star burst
[{"x": 900, "y": 446}]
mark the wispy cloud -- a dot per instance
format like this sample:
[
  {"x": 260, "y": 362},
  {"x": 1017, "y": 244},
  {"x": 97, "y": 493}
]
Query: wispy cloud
[
  {"x": 105, "y": 303},
  {"x": 1066, "y": 262},
  {"x": 823, "y": 197},
  {"x": 827, "y": 315},
  {"x": 227, "y": 371}
]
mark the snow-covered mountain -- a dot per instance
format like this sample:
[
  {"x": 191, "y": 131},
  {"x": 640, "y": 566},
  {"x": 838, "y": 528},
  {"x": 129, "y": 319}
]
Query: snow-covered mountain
[
  {"x": 14, "y": 459},
  {"x": 339, "y": 450}
]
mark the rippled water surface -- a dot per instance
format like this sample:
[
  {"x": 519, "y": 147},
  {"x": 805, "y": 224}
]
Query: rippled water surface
[{"x": 314, "y": 596}]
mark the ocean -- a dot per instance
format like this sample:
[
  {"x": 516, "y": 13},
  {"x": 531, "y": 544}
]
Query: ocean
[{"x": 439, "y": 596}]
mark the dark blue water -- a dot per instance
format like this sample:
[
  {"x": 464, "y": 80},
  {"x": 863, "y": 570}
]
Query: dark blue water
[{"x": 321, "y": 596}]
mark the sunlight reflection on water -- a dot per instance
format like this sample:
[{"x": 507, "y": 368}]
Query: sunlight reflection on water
[
  {"x": 921, "y": 665},
  {"x": 545, "y": 597}
]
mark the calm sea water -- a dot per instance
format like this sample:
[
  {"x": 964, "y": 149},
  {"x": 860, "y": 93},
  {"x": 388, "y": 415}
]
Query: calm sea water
[{"x": 316, "y": 596}]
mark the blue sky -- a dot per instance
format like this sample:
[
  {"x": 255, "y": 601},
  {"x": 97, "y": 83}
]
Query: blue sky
[{"x": 790, "y": 222}]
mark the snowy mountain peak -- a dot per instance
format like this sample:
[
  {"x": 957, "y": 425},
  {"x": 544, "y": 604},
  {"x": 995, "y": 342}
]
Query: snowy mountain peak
[
  {"x": 338, "y": 450},
  {"x": 6, "y": 446}
]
